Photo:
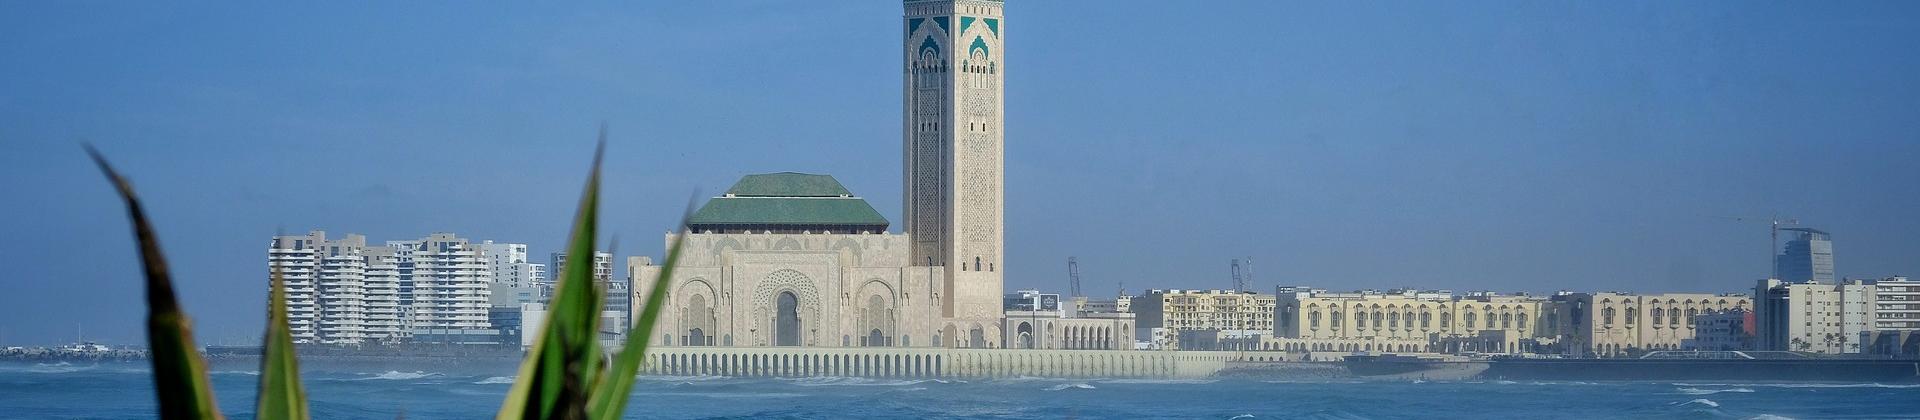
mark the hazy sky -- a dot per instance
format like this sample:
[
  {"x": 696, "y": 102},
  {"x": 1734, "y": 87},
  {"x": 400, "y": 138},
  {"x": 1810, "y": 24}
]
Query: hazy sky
[{"x": 1464, "y": 145}]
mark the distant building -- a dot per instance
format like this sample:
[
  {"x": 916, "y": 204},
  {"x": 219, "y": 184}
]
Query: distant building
[
  {"x": 1727, "y": 330},
  {"x": 1084, "y": 305},
  {"x": 1812, "y": 317},
  {"x": 1896, "y": 304},
  {"x": 619, "y": 293},
  {"x": 1315, "y": 320},
  {"x": 1237, "y": 313},
  {"x": 1619, "y": 324},
  {"x": 338, "y": 291},
  {"x": 1806, "y": 258},
  {"x": 445, "y": 282},
  {"x": 1037, "y": 320},
  {"x": 510, "y": 265},
  {"x": 791, "y": 259},
  {"x": 1896, "y": 318}
]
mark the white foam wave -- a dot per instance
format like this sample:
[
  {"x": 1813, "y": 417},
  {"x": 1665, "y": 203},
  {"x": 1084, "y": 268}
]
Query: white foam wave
[
  {"x": 236, "y": 372},
  {"x": 1160, "y": 381},
  {"x": 495, "y": 380},
  {"x": 851, "y": 381},
  {"x": 1704, "y": 391},
  {"x": 1699, "y": 401},
  {"x": 1076, "y": 385},
  {"x": 1807, "y": 385},
  {"x": 394, "y": 375},
  {"x": 1242, "y": 416},
  {"x": 61, "y": 367},
  {"x": 672, "y": 378},
  {"x": 1769, "y": 417}
]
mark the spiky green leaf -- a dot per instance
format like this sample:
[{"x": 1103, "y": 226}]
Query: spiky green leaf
[
  {"x": 553, "y": 379},
  {"x": 610, "y": 395},
  {"x": 179, "y": 375},
  {"x": 280, "y": 397}
]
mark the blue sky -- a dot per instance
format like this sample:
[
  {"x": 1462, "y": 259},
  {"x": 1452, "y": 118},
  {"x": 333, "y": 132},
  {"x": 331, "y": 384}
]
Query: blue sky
[{"x": 1511, "y": 146}]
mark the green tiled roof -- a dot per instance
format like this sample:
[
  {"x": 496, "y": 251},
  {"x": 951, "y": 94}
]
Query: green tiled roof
[
  {"x": 787, "y": 199},
  {"x": 788, "y": 184}
]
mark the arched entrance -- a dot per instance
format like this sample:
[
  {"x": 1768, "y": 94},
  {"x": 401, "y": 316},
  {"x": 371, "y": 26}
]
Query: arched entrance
[
  {"x": 696, "y": 337},
  {"x": 786, "y": 324},
  {"x": 875, "y": 338},
  {"x": 977, "y": 338},
  {"x": 1026, "y": 335}
]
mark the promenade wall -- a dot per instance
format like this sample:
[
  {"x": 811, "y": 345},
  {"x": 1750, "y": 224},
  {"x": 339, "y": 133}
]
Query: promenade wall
[{"x": 939, "y": 363}]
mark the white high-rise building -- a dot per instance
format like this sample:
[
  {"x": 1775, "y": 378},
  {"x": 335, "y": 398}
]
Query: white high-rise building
[
  {"x": 385, "y": 318},
  {"x": 954, "y": 148},
  {"x": 444, "y": 281},
  {"x": 297, "y": 259},
  {"x": 510, "y": 265},
  {"x": 338, "y": 291}
]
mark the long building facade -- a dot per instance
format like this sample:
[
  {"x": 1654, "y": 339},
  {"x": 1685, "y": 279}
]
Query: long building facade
[
  {"x": 1310, "y": 320},
  {"x": 1616, "y": 324}
]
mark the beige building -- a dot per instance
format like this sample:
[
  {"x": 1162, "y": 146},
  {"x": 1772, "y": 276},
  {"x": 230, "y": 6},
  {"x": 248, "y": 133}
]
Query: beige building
[
  {"x": 1617, "y": 324},
  {"x": 1813, "y": 317},
  {"x": 792, "y": 259},
  {"x": 1171, "y": 312},
  {"x": 1311, "y": 320},
  {"x": 796, "y": 260}
]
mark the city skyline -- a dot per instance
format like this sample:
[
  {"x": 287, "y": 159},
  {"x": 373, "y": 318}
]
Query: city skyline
[{"x": 1341, "y": 172}]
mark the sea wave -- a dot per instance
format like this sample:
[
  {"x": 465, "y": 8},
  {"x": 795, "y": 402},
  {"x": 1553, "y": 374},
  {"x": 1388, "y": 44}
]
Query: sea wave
[
  {"x": 61, "y": 367},
  {"x": 1705, "y": 391},
  {"x": 1699, "y": 401},
  {"x": 674, "y": 378},
  {"x": 495, "y": 380},
  {"x": 1160, "y": 381},
  {"x": 235, "y": 372},
  {"x": 1076, "y": 385},
  {"x": 1805, "y": 385},
  {"x": 394, "y": 375},
  {"x": 852, "y": 381}
]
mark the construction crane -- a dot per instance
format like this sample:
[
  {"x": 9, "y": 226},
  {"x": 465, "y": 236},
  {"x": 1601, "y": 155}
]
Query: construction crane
[
  {"x": 1073, "y": 275},
  {"x": 1773, "y": 239},
  {"x": 1239, "y": 283},
  {"x": 1249, "y": 272}
]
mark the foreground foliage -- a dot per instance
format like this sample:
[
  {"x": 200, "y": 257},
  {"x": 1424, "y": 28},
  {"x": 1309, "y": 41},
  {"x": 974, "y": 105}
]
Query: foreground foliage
[{"x": 563, "y": 375}]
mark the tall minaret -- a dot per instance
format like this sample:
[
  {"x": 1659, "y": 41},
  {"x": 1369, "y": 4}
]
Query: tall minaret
[{"x": 954, "y": 62}]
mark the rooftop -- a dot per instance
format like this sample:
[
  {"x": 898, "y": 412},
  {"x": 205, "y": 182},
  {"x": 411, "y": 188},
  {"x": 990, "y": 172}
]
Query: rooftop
[{"x": 787, "y": 202}]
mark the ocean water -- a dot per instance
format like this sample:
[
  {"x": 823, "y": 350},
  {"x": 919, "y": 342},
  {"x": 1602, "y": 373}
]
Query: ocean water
[{"x": 124, "y": 391}]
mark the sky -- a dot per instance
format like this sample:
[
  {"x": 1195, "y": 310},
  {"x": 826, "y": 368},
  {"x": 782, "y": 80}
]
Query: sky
[{"x": 1498, "y": 145}]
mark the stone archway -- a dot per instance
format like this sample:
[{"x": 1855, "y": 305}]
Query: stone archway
[
  {"x": 977, "y": 337},
  {"x": 786, "y": 325}
]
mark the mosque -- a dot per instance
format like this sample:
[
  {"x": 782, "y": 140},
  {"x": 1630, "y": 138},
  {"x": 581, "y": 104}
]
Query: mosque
[{"x": 792, "y": 259}]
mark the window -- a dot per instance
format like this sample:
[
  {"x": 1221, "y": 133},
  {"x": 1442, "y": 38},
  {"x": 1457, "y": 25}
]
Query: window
[{"x": 1470, "y": 320}]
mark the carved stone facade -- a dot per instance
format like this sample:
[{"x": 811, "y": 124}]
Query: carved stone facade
[
  {"x": 954, "y": 171},
  {"x": 822, "y": 290}
]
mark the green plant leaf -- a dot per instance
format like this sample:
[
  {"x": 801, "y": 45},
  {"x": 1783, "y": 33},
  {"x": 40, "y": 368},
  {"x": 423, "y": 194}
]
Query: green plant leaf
[
  {"x": 610, "y": 394},
  {"x": 281, "y": 396},
  {"x": 553, "y": 378},
  {"x": 179, "y": 374}
]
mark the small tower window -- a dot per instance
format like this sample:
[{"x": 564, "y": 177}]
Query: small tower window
[{"x": 976, "y": 263}]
